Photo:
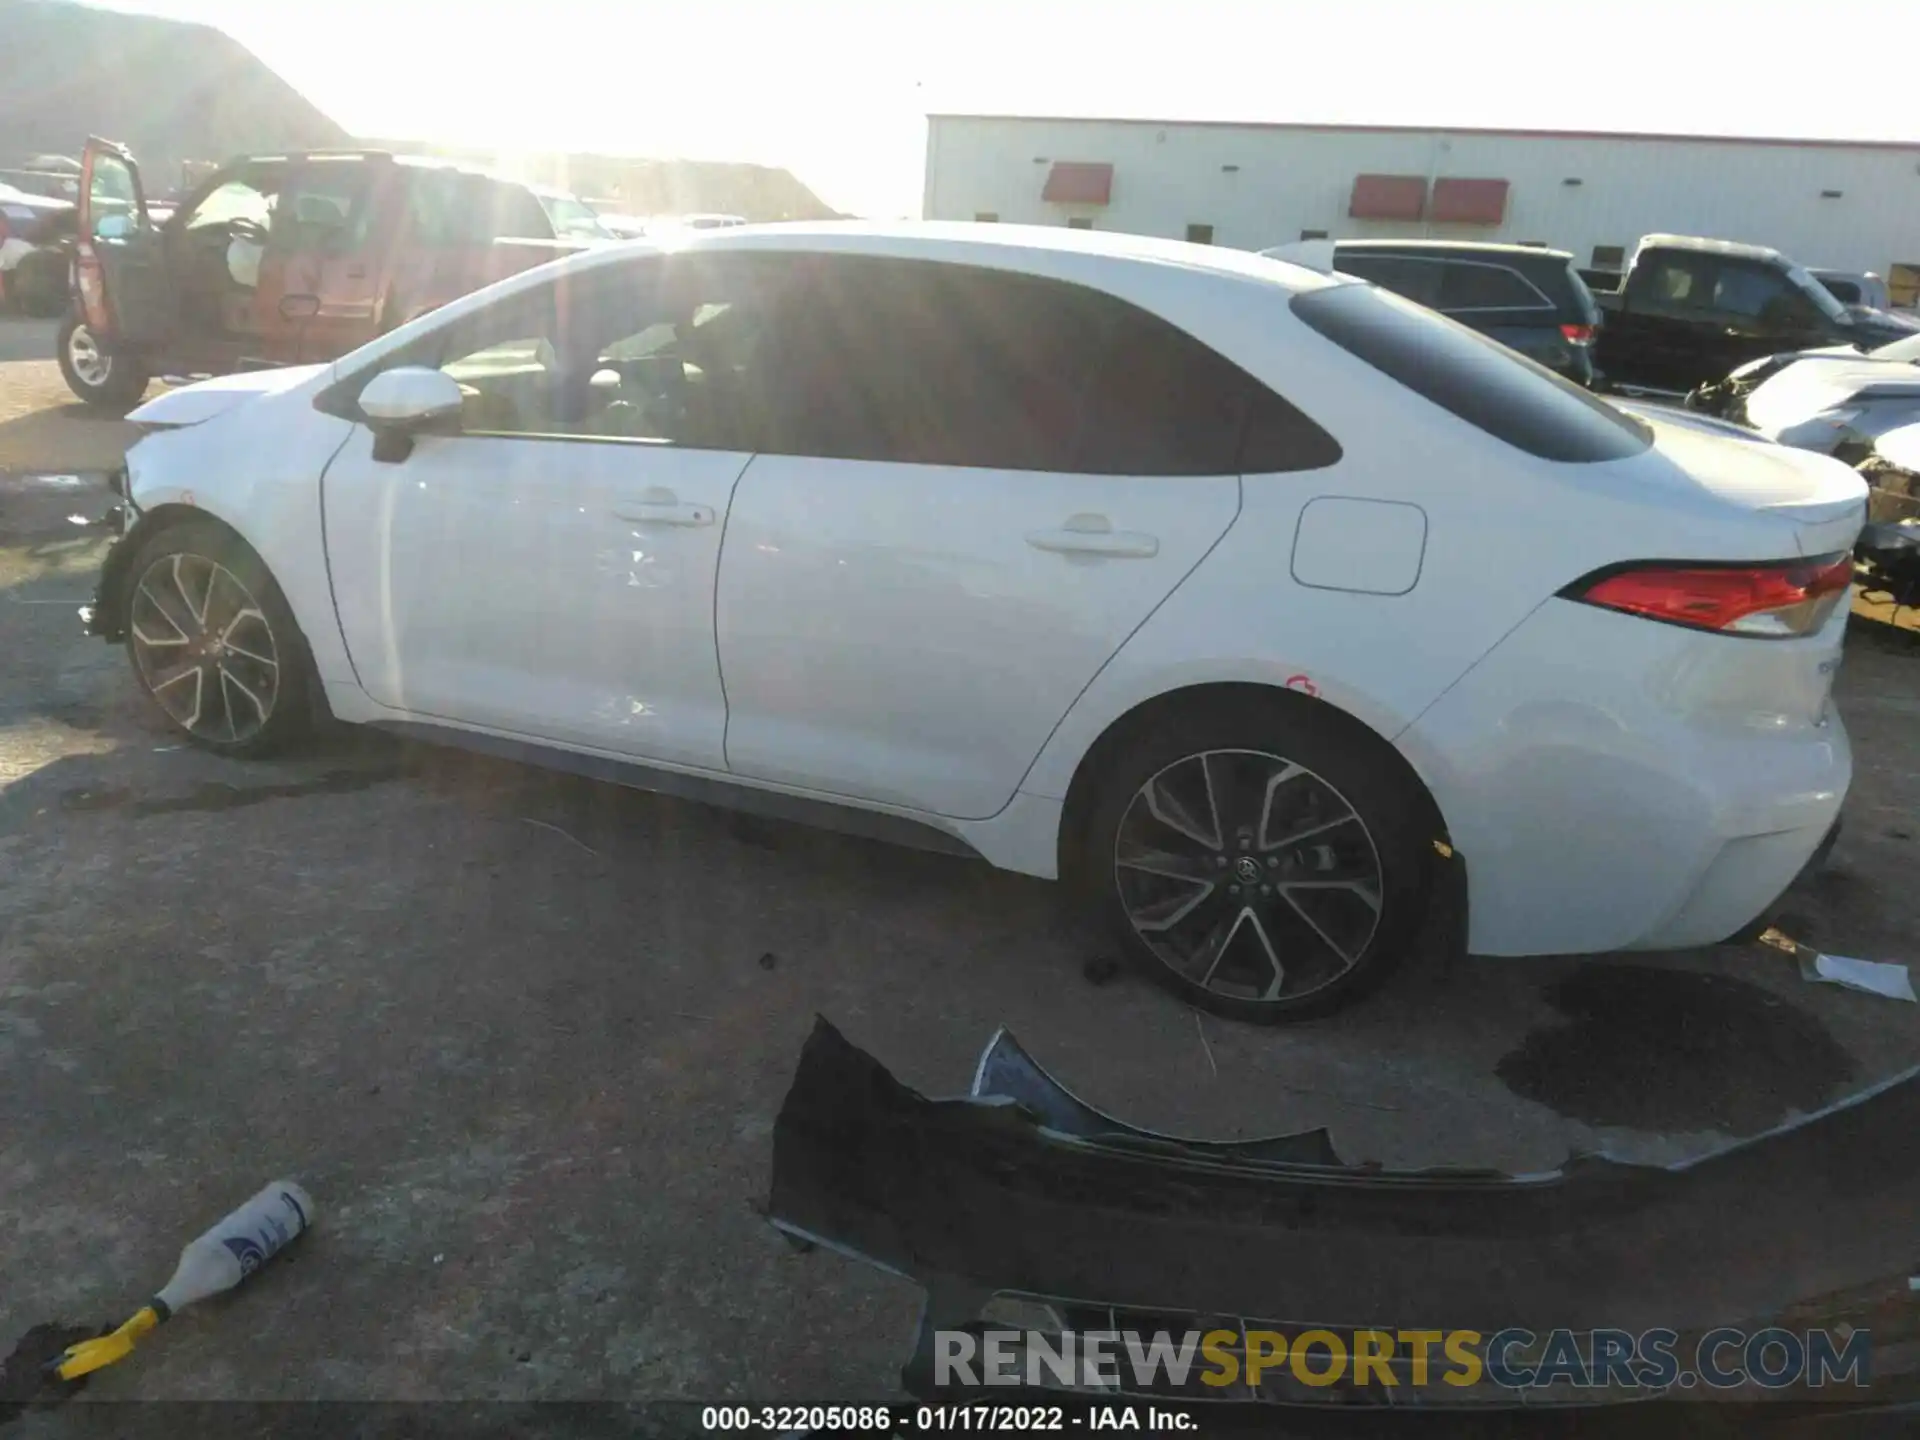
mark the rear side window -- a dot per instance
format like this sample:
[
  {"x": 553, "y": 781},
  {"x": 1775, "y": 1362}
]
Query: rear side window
[
  {"x": 1482, "y": 382},
  {"x": 1487, "y": 287},
  {"x": 939, "y": 364},
  {"x": 1418, "y": 280}
]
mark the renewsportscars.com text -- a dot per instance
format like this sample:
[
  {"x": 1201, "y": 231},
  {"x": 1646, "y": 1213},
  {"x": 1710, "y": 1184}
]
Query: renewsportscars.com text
[{"x": 1216, "y": 1360}]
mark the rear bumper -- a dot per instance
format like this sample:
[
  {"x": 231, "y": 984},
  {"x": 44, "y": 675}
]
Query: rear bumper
[
  {"x": 1760, "y": 923},
  {"x": 1627, "y": 786}
]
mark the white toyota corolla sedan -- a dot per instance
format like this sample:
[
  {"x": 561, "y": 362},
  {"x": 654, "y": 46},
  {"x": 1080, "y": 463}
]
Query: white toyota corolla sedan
[{"x": 1265, "y": 607}]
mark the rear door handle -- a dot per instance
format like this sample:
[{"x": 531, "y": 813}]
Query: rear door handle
[
  {"x": 1095, "y": 535},
  {"x": 663, "y": 507}
]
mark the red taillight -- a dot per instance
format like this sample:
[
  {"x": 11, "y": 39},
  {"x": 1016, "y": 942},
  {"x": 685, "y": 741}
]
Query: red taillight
[
  {"x": 1578, "y": 334},
  {"x": 1794, "y": 597}
]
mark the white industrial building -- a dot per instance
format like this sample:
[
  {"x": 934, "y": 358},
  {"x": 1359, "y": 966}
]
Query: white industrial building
[{"x": 1828, "y": 204}]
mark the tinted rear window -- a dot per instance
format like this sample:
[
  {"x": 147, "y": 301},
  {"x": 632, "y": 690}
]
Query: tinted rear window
[{"x": 1475, "y": 378}]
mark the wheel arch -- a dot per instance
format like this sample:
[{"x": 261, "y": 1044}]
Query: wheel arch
[
  {"x": 1082, "y": 788},
  {"x": 110, "y": 600}
]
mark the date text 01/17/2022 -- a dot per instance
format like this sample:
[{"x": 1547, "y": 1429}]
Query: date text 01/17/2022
[{"x": 961, "y": 1418}]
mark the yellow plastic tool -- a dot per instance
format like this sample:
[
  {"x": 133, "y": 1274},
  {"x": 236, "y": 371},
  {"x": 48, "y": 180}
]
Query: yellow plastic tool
[{"x": 91, "y": 1355}]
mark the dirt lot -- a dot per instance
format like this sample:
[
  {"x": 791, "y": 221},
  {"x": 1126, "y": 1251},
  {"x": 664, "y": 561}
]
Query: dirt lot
[{"x": 524, "y": 1037}]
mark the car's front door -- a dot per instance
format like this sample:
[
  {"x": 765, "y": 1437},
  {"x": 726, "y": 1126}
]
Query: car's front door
[
  {"x": 975, "y": 486},
  {"x": 125, "y": 290},
  {"x": 548, "y": 572}
]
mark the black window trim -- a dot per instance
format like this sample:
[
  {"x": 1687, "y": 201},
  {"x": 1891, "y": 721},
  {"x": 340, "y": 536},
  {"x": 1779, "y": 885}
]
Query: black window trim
[{"x": 1316, "y": 446}]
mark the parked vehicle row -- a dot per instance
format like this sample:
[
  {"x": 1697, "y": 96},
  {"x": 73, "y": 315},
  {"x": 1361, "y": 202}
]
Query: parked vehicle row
[
  {"x": 35, "y": 236},
  {"x": 1530, "y": 300},
  {"x": 1167, "y": 574},
  {"x": 1689, "y": 310},
  {"x": 284, "y": 259}
]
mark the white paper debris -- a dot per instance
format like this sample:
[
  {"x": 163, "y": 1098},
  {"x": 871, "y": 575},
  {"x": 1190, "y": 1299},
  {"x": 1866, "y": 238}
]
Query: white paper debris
[{"x": 1869, "y": 976}]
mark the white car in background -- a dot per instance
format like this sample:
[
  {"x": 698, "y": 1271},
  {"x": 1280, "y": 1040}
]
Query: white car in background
[{"x": 1262, "y": 606}]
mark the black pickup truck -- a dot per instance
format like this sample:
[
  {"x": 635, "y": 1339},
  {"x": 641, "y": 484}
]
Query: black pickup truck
[{"x": 1688, "y": 310}]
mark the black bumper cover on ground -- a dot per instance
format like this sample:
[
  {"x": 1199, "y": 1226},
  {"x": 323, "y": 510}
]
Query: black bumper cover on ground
[{"x": 1021, "y": 1188}]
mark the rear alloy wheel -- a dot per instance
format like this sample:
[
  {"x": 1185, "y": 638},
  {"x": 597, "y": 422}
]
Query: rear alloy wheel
[
  {"x": 1263, "y": 871},
  {"x": 213, "y": 643}
]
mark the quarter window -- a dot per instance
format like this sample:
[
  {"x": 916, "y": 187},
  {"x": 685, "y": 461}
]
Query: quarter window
[
  {"x": 1477, "y": 379},
  {"x": 1487, "y": 287}
]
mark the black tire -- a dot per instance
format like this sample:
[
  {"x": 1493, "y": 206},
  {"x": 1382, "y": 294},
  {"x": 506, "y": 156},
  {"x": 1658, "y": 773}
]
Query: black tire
[
  {"x": 116, "y": 382},
  {"x": 1319, "y": 762},
  {"x": 268, "y": 707}
]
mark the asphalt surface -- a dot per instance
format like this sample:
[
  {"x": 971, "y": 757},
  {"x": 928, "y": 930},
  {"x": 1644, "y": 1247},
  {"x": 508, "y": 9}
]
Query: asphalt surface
[{"x": 524, "y": 1037}]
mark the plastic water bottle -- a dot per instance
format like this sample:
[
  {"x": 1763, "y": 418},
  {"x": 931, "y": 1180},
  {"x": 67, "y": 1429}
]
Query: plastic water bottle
[
  {"x": 219, "y": 1260},
  {"x": 237, "y": 1246}
]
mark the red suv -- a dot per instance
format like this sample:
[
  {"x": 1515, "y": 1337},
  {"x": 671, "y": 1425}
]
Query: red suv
[{"x": 286, "y": 259}]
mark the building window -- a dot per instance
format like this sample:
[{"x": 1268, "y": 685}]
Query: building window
[
  {"x": 985, "y": 217},
  {"x": 1080, "y": 222},
  {"x": 1609, "y": 257},
  {"x": 1313, "y": 234},
  {"x": 1200, "y": 234}
]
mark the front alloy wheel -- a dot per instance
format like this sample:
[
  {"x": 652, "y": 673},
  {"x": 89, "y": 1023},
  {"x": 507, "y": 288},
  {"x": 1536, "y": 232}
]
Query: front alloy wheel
[
  {"x": 1248, "y": 875},
  {"x": 205, "y": 650}
]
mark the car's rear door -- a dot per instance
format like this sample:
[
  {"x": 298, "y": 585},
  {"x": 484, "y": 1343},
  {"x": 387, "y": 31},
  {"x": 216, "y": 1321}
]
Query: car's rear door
[
  {"x": 125, "y": 290},
  {"x": 976, "y": 485},
  {"x": 319, "y": 285}
]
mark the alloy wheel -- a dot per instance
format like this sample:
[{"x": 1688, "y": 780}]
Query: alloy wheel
[
  {"x": 1248, "y": 875},
  {"x": 204, "y": 648},
  {"x": 93, "y": 365}
]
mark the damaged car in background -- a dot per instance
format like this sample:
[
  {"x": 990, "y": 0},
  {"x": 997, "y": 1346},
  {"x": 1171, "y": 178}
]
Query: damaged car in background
[
  {"x": 1021, "y": 1209},
  {"x": 1835, "y": 399},
  {"x": 1887, "y": 555}
]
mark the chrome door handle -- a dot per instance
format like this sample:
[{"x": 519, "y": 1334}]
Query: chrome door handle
[
  {"x": 666, "y": 512},
  {"x": 1095, "y": 535}
]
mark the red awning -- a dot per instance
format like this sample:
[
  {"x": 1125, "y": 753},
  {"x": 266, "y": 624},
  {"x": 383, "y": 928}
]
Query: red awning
[
  {"x": 1470, "y": 202},
  {"x": 1078, "y": 182},
  {"x": 1388, "y": 197}
]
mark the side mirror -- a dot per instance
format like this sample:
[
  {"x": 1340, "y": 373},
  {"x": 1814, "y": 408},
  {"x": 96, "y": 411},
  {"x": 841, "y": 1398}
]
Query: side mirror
[{"x": 402, "y": 403}]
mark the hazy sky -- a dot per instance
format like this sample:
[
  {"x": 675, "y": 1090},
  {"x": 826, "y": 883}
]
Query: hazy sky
[{"x": 836, "y": 90}]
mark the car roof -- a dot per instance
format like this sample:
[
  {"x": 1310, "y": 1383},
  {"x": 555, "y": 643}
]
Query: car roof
[
  {"x": 1459, "y": 249},
  {"x": 1712, "y": 247},
  {"x": 1006, "y": 246},
  {"x": 1084, "y": 255}
]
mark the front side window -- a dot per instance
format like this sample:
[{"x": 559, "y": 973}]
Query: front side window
[
  {"x": 1748, "y": 290},
  {"x": 1477, "y": 379},
  {"x": 111, "y": 197},
  {"x": 665, "y": 353}
]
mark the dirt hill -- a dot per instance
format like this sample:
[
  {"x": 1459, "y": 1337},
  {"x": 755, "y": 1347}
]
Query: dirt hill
[
  {"x": 176, "y": 92},
  {"x": 651, "y": 187},
  {"x": 171, "y": 91}
]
